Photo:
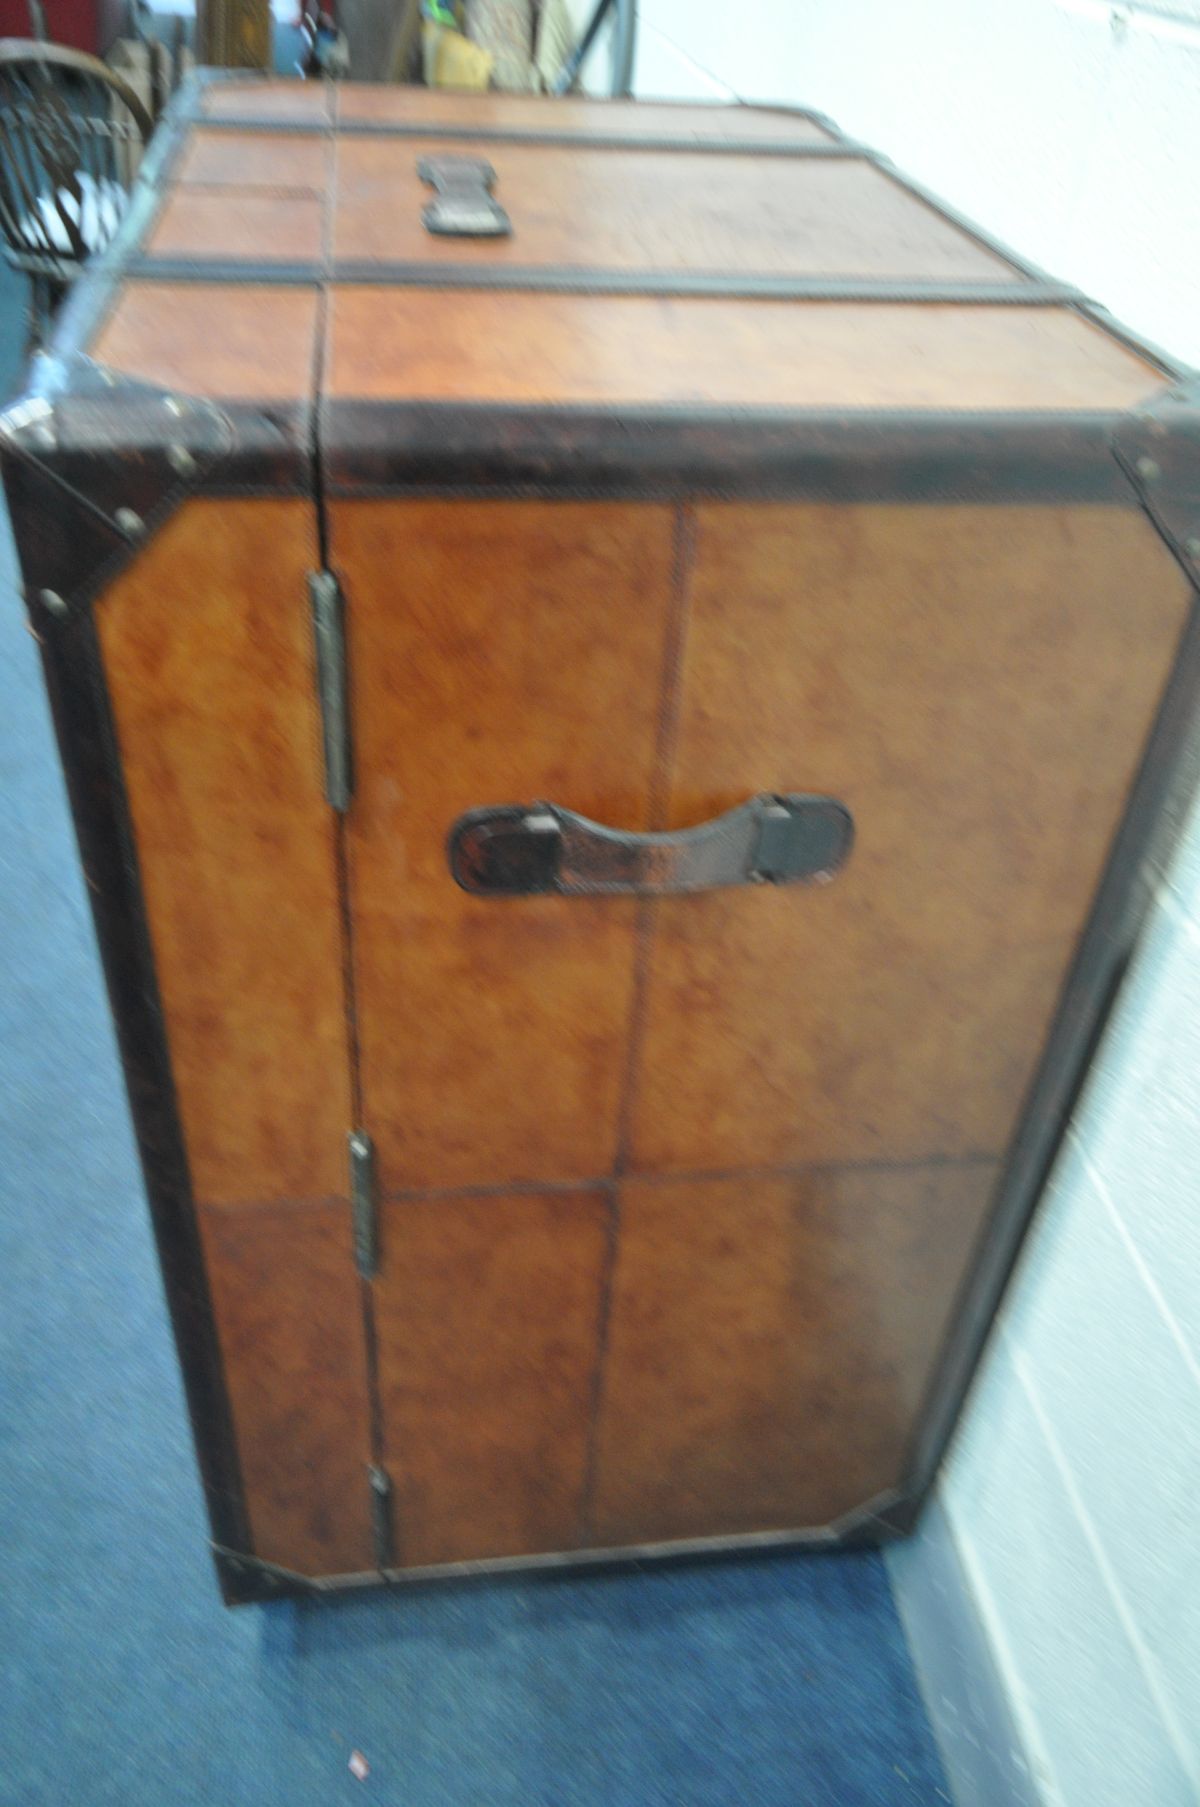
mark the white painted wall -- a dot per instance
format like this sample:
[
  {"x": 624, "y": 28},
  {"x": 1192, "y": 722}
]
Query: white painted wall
[
  {"x": 1073, "y": 1493},
  {"x": 1078, "y": 145}
]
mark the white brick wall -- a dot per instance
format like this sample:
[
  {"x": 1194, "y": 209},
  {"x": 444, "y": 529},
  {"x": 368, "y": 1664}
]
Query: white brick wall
[{"x": 1074, "y": 1490}]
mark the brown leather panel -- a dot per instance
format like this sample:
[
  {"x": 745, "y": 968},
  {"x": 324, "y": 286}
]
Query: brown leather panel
[
  {"x": 499, "y": 651},
  {"x": 462, "y": 346},
  {"x": 266, "y": 99},
  {"x": 487, "y": 1311},
  {"x": 539, "y": 113},
  {"x": 660, "y": 210},
  {"x": 285, "y": 1293},
  {"x": 251, "y": 224},
  {"x": 211, "y": 339},
  {"x": 222, "y": 159},
  {"x": 207, "y": 647},
  {"x": 770, "y": 1340},
  {"x": 975, "y": 684}
]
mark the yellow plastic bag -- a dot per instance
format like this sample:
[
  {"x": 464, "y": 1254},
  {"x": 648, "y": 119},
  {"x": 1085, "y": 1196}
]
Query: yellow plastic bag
[{"x": 452, "y": 61}]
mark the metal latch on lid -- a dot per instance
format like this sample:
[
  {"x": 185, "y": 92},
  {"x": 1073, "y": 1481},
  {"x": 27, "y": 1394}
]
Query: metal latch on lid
[{"x": 464, "y": 205}]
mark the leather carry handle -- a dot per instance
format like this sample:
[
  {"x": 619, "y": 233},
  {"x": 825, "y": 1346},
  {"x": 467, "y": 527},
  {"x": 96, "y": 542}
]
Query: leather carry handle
[
  {"x": 527, "y": 850},
  {"x": 464, "y": 206}
]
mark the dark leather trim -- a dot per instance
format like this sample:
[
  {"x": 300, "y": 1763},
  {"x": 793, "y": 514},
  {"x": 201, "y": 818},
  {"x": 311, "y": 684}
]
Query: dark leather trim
[
  {"x": 192, "y": 111},
  {"x": 247, "y": 1580},
  {"x": 565, "y": 279},
  {"x": 374, "y": 448},
  {"x": 91, "y": 763}
]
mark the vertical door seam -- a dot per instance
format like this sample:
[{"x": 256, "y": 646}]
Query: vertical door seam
[
  {"x": 666, "y": 737},
  {"x": 381, "y": 1499}
]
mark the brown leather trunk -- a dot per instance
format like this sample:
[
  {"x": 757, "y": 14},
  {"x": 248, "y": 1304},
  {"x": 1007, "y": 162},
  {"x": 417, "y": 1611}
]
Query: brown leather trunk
[{"x": 619, "y": 713}]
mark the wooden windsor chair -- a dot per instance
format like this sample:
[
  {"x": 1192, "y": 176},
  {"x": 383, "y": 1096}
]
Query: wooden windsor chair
[{"x": 71, "y": 134}]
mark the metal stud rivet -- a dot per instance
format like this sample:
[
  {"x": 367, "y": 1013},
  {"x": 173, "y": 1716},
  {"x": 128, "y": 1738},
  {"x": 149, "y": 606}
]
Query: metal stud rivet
[
  {"x": 173, "y": 405},
  {"x": 1148, "y": 468},
  {"x": 50, "y": 599},
  {"x": 180, "y": 460},
  {"x": 130, "y": 522}
]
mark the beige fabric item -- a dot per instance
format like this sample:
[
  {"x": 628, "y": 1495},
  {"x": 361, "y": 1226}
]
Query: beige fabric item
[
  {"x": 452, "y": 61},
  {"x": 505, "y": 28}
]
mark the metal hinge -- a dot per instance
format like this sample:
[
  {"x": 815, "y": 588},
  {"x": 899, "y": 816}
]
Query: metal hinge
[
  {"x": 329, "y": 634},
  {"x": 381, "y": 1514},
  {"x": 362, "y": 1199}
]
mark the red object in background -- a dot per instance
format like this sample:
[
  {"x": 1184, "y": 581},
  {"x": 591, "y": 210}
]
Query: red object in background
[{"x": 93, "y": 25}]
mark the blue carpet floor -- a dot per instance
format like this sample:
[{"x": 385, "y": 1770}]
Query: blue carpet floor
[{"x": 123, "y": 1681}]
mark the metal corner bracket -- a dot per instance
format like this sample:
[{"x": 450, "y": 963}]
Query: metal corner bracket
[
  {"x": 93, "y": 465},
  {"x": 1158, "y": 448}
]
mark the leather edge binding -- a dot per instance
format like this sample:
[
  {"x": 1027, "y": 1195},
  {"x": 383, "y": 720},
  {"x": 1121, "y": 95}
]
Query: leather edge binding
[
  {"x": 193, "y": 88},
  {"x": 379, "y": 448},
  {"x": 249, "y": 1580},
  {"x": 91, "y": 763},
  {"x": 310, "y": 126},
  {"x": 568, "y": 279}
]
